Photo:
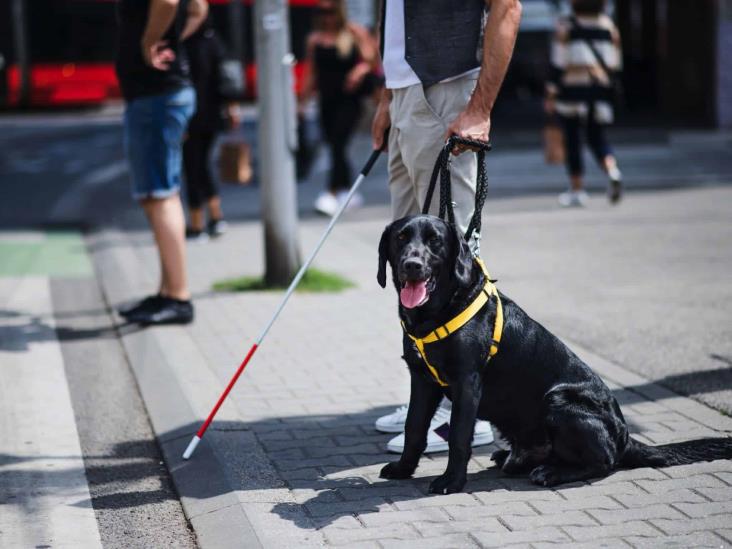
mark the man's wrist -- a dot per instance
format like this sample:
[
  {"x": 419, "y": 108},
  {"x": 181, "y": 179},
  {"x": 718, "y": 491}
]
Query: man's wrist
[
  {"x": 480, "y": 103},
  {"x": 479, "y": 108}
]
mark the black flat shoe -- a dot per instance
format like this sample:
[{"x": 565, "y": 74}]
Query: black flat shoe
[
  {"x": 139, "y": 306},
  {"x": 167, "y": 311}
]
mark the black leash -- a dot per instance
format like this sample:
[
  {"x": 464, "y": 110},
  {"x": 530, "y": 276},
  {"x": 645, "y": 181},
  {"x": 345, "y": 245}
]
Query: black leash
[{"x": 442, "y": 170}]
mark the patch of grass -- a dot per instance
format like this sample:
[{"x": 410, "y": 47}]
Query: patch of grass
[{"x": 314, "y": 280}]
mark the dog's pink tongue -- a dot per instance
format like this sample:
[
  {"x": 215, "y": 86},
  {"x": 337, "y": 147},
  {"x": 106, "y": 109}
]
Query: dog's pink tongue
[{"x": 413, "y": 293}]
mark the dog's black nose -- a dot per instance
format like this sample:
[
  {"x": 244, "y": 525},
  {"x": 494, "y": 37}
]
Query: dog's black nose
[{"x": 413, "y": 268}]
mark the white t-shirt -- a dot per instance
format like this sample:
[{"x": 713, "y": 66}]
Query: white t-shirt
[{"x": 397, "y": 72}]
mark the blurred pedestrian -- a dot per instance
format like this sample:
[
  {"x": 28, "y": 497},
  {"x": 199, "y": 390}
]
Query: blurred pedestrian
[
  {"x": 444, "y": 63},
  {"x": 586, "y": 58},
  {"x": 213, "y": 113},
  {"x": 153, "y": 74},
  {"x": 341, "y": 57}
]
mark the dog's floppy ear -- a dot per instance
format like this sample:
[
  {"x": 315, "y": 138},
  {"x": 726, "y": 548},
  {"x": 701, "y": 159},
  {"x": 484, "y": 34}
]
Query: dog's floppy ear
[
  {"x": 463, "y": 258},
  {"x": 383, "y": 256}
]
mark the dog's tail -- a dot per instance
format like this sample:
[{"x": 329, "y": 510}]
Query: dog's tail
[{"x": 638, "y": 454}]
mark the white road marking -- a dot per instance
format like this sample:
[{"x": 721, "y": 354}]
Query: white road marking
[{"x": 44, "y": 495}]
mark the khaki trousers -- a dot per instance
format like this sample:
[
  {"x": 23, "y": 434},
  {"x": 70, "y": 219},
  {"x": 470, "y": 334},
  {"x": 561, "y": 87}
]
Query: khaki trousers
[{"x": 419, "y": 121}]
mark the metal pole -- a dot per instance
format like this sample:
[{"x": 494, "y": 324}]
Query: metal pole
[
  {"x": 20, "y": 44},
  {"x": 237, "y": 32},
  {"x": 277, "y": 140}
]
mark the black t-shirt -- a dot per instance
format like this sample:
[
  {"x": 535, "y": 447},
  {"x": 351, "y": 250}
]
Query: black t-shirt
[
  {"x": 135, "y": 77},
  {"x": 205, "y": 53}
]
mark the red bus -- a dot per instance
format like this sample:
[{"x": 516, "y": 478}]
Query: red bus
[{"x": 71, "y": 46}]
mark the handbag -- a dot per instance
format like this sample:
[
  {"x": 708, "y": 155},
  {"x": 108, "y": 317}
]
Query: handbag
[
  {"x": 235, "y": 163},
  {"x": 554, "y": 149}
]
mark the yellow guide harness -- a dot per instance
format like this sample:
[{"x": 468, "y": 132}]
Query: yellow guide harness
[{"x": 489, "y": 290}]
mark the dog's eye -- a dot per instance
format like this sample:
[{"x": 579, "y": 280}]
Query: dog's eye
[
  {"x": 435, "y": 241},
  {"x": 402, "y": 237}
]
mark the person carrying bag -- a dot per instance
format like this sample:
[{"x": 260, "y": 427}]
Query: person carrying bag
[
  {"x": 218, "y": 86},
  {"x": 581, "y": 92}
]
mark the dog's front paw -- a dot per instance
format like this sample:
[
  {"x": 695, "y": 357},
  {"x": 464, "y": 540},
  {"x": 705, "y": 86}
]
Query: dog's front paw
[
  {"x": 397, "y": 470},
  {"x": 447, "y": 483},
  {"x": 545, "y": 475}
]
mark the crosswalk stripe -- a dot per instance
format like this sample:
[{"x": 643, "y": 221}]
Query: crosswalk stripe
[{"x": 44, "y": 495}]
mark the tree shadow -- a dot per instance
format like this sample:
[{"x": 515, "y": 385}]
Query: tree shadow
[
  {"x": 127, "y": 464},
  {"x": 329, "y": 463},
  {"x": 689, "y": 383},
  {"x": 81, "y": 313},
  {"x": 18, "y": 338}
]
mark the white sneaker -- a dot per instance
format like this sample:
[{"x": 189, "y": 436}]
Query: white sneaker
[
  {"x": 392, "y": 423},
  {"x": 356, "y": 200},
  {"x": 437, "y": 436},
  {"x": 615, "y": 174},
  {"x": 569, "y": 199},
  {"x": 326, "y": 204}
]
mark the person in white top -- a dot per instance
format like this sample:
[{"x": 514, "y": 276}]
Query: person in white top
[
  {"x": 586, "y": 59},
  {"x": 444, "y": 63}
]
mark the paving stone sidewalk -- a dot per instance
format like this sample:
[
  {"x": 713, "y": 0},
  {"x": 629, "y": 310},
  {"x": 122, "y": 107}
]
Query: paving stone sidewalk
[{"x": 298, "y": 456}]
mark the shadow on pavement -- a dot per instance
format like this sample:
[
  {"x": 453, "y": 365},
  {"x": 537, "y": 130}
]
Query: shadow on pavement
[
  {"x": 691, "y": 383},
  {"x": 17, "y": 338},
  {"x": 330, "y": 462},
  {"x": 116, "y": 473},
  {"x": 335, "y": 459}
]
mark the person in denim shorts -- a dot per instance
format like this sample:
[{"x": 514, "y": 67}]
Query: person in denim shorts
[{"x": 153, "y": 75}]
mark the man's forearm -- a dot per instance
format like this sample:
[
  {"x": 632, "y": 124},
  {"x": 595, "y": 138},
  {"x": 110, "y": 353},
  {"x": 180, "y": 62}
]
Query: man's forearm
[
  {"x": 159, "y": 18},
  {"x": 197, "y": 12},
  {"x": 499, "y": 39}
]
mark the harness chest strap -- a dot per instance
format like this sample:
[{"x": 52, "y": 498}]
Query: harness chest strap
[{"x": 441, "y": 332}]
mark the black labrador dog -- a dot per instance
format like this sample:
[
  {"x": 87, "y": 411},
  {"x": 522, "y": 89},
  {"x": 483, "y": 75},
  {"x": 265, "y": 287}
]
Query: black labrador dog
[{"x": 561, "y": 421}]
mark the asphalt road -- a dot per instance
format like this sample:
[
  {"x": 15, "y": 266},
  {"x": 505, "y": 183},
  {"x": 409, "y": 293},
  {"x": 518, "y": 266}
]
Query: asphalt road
[
  {"x": 70, "y": 168},
  {"x": 134, "y": 501},
  {"x": 79, "y": 464},
  {"x": 59, "y": 173}
]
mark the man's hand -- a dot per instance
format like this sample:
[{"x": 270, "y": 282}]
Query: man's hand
[
  {"x": 382, "y": 121},
  {"x": 501, "y": 29},
  {"x": 155, "y": 50},
  {"x": 470, "y": 124},
  {"x": 158, "y": 55}
]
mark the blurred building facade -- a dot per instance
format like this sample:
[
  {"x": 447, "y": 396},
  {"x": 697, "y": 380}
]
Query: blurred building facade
[{"x": 678, "y": 60}]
